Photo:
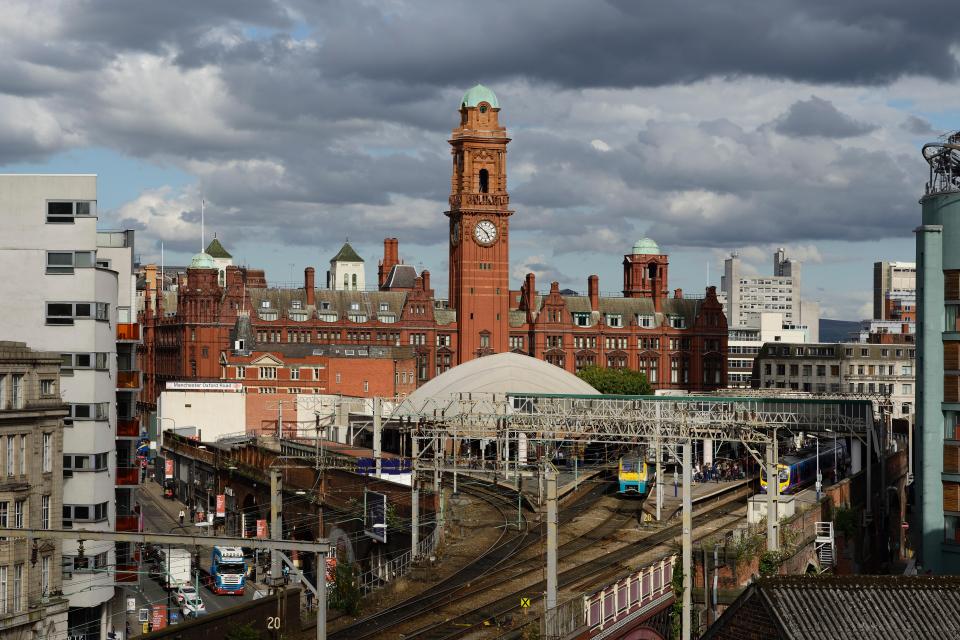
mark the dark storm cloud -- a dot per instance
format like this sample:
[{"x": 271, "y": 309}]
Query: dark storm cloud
[
  {"x": 918, "y": 126},
  {"x": 817, "y": 117},
  {"x": 623, "y": 43}
]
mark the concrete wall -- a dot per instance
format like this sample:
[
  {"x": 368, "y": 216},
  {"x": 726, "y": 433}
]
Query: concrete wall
[
  {"x": 255, "y": 613},
  {"x": 214, "y": 413}
]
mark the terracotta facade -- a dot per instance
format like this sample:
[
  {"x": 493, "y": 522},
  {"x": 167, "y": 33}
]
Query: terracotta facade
[{"x": 679, "y": 341}]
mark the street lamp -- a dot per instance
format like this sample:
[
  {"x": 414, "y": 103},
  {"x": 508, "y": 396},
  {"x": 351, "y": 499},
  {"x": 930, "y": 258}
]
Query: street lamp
[
  {"x": 818, "y": 483},
  {"x": 160, "y": 420}
]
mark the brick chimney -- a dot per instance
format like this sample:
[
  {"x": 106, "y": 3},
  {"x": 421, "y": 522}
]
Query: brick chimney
[
  {"x": 391, "y": 257},
  {"x": 425, "y": 275},
  {"x": 308, "y": 285},
  {"x": 678, "y": 293},
  {"x": 593, "y": 291}
]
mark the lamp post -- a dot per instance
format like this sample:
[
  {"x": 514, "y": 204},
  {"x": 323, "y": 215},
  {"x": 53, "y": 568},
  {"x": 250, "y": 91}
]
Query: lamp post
[{"x": 818, "y": 483}]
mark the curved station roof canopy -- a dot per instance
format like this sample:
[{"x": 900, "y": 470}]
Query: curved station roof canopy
[{"x": 502, "y": 373}]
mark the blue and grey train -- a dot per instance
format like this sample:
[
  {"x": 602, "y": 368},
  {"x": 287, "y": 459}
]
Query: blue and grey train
[{"x": 799, "y": 469}]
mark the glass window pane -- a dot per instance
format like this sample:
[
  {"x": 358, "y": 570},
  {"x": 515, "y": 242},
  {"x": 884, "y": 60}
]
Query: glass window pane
[
  {"x": 59, "y": 259},
  {"x": 83, "y": 208},
  {"x": 81, "y": 512},
  {"x": 83, "y": 359},
  {"x": 84, "y": 259},
  {"x": 83, "y": 310},
  {"x": 60, "y": 209},
  {"x": 66, "y": 360},
  {"x": 59, "y": 309}
]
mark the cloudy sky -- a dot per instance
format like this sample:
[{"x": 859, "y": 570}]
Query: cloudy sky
[{"x": 709, "y": 126}]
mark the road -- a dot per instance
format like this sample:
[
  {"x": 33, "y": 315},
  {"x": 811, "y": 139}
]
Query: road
[{"x": 148, "y": 591}]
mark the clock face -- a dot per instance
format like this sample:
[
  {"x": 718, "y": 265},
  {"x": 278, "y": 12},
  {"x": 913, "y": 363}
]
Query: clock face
[
  {"x": 485, "y": 232},
  {"x": 455, "y": 234}
]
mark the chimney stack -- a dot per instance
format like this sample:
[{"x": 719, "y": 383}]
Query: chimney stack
[
  {"x": 678, "y": 293},
  {"x": 593, "y": 290},
  {"x": 308, "y": 285},
  {"x": 425, "y": 274},
  {"x": 391, "y": 257}
]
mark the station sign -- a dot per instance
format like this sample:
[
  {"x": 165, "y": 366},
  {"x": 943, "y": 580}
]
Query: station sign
[{"x": 204, "y": 386}]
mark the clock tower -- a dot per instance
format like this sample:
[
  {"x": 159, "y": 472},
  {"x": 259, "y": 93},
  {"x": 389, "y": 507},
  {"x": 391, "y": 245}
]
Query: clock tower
[{"x": 479, "y": 227}]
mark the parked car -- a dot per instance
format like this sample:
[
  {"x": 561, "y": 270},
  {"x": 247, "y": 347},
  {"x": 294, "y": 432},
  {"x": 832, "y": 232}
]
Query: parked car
[{"x": 186, "y": 592}]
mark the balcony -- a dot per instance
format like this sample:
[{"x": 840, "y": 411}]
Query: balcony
[
  {"x": 128, "y": 380},
  {"x": 951, "y": 457},
  {"x": 128, "y": 476},
  {"x": 128, "y": 428},
  {"x": 126, "y": 573},
  {"x": 128, "y": 523},
  {"x": 128, "y": 332}
]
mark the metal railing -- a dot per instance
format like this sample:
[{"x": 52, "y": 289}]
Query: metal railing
[{"x": 396, "y": 567}]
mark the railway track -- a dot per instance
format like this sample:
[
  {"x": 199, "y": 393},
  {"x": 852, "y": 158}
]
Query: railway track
[
  {"x": 476, "y": 576},
  {"x": 607, "y": 565}
]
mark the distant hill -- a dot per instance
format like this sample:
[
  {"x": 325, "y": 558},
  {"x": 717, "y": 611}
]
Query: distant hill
[{"x": 837, "y": 330}]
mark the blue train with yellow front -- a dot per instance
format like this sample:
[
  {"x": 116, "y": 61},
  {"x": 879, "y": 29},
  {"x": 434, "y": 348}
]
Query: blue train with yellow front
[
  {"x": 799, "y": 469},
  {"x": 632, "y": 475}
]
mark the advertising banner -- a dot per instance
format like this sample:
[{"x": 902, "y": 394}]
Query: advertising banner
[
  {"x": 262, "y": 531},
  {"x": 158, "y": 616},
  {"x": 168, "y": 469},
  {"x": 221, "y": 505}
]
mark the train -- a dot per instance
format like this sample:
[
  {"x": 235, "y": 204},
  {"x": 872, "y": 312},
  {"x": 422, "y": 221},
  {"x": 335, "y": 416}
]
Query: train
[
  {"x": 799, "y": 469},
  {"x": 632, "y": 475}
]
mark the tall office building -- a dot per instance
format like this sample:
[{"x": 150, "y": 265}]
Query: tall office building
[
  {"x": 745, "y": 298},
  {"x": 71, "y": 292},
  {"x": 938, "y": 373},
  {"x": 895, "y": 291}
]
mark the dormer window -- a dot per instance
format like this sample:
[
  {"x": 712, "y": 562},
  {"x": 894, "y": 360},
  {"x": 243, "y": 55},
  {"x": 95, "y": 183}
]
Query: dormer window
[
  {"x": 325, "y": 305},
  {"x": 265, "y": 304},
  {"x": 354, "y": 306},
  {"x": 614, "y": 320},
  {"x": 296, "y": 304},
  {"x": 384, "y": 306},
  {"x": 581, "y": 319},
  {"x": 677, "y": 322},
  {"x": 644, "y": 321}
]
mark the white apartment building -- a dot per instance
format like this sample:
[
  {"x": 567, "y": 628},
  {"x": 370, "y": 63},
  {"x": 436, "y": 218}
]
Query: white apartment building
[
  {"x": 744, "y": 343},
  {"x": 745, "y": 298},
  {"x": 68, "y": 295}
]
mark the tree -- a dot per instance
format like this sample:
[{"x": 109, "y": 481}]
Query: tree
[
  {"x": 346, "y": 593},
  {"x": 621, "y": 382}
]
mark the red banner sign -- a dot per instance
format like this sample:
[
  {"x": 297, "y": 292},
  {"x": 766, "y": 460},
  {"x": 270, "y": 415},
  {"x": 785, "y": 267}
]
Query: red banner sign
[
  {"x": 262, "y": 529},
  {"x": 158, "y": 616},
  {"x": 168, "y": 469},
  {"x": 221, "y": 505}
]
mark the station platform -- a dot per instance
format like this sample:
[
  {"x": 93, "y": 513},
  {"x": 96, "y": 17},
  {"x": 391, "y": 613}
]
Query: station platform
[
  {"x": 701, "y": 493},
  {"x": 569, "y": 481}
]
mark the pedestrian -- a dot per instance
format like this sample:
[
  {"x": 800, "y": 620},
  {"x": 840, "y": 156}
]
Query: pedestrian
[
  {"x": 182, "y": 514},
  {"x": 675, "y": 483}
]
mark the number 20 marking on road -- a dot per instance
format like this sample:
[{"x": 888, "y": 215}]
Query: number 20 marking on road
[{"x": 273, "y": 622}]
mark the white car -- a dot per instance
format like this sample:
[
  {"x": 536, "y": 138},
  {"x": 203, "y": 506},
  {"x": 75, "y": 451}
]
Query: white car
[
  {"x": 192, "y": 606},
  {"x": 186, "y": 592}
]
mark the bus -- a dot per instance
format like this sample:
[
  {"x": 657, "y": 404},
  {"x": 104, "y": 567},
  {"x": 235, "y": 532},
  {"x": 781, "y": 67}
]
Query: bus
[{"x": 228, "y": 571}]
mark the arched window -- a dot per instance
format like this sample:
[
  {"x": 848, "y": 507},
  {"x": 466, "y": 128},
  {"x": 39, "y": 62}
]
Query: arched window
[
  {"x": 652, "y": 270},
  {"x": 346, "y": 281},
  {"x": 484, "y": 181},
  {"x": 354, "y": 281}
]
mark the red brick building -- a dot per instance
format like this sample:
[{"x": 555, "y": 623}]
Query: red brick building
[{"x": 679, "y": 341}]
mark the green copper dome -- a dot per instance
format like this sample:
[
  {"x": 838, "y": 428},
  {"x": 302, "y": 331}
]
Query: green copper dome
[
  {"x": 646, "y": 247},
  {"x": 202, "y": 261},
  {"x": 478, "y": 94}
]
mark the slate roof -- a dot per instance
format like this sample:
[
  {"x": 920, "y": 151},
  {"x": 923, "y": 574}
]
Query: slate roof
[
  {"x": 346, "y": 254},
  {"x": 629, "y": 307},
  {"x": 843, "y": 608},
  {"x": 401, "y": 276},
  {"x": 216, "y": 250},
  {"x": 339, "y": 302}
]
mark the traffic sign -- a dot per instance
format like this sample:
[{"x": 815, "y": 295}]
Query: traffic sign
[{"x": 524, "y": 603}]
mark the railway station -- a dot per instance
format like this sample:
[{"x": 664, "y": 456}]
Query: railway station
[{"x": 518, "y": 498}]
